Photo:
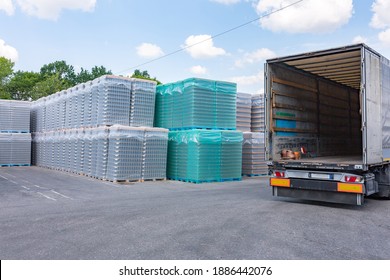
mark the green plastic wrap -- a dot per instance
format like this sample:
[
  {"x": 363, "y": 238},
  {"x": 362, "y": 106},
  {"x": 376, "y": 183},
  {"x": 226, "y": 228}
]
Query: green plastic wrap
[
  {"x": 204, "y": 155},
  {"x": 158, "y": 113},
  {"x": 172, "y": 162},
  {"x": 196, "y": 103},
  {"x": 164, "y": 106},
  {"x": 231, "y": 154},
  {"x": 225, "y": 87}
]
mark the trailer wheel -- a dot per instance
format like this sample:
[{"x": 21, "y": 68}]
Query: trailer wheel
[{"x": 381, "y": 196}]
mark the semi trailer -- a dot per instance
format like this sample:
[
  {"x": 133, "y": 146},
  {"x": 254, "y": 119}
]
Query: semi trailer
[{"x": 328, "y": 125}]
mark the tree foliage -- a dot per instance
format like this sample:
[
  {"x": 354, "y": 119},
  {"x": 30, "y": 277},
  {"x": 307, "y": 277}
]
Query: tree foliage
[
  {"x": 52, "y": 77},
  {"x": 61, "y": 69},
  {"x": 21, "y": 84},
  {"x": 96, "y": 72},
  {"x": 144, "y": 75},
  {"x": 48, "y": 86},
  {"x": 6, "y": 69}
]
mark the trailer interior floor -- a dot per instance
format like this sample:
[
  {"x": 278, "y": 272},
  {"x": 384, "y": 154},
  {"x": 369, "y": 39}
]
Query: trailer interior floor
[{"x": 354, "y": 159}]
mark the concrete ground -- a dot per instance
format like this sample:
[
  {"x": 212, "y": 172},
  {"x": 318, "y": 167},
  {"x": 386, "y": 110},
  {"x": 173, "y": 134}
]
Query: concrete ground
[{"x": 47, "y": 214}]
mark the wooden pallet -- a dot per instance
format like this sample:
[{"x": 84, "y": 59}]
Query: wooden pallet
[{"x": 136, "y": 180}]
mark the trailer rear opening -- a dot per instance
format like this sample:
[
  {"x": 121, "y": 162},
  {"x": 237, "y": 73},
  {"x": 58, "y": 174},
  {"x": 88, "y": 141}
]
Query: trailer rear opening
[{"x": 329, "y": 108}]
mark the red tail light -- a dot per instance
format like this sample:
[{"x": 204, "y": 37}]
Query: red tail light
[
  {"x": 351, "y": 179},
  {"x": 279, "y": 174}
]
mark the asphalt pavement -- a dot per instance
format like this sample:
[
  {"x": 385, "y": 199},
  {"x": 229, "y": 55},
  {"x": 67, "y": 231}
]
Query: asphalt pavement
[{"x": 46, "y": 214}]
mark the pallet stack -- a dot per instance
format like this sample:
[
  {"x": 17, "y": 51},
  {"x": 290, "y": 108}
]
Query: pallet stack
[
  {"x": 15, "y": 137},
  {"x": 196, "y": 104},
  {"x": 101, "y": 129},
  {"x": 203, "y": 143},
  {"x": 107, "y": 100},
  {"x": 250, "y": 120},
  {"x": 200, "y": 156},
  {"x": 113, "y": 153},
  {"x": 137, "y": 153},
  {"x": 257, "y": 114},
  {"x": 244, "y": 108},
  {"x": 253, "y": 155}
]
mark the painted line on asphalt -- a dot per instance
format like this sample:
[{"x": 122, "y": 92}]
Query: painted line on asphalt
[
  {"x": 24, "y": 187},
  {"x": 25, "y": 181},
  {"x": 10, "y": 174},
  {"x": 48, "y": 197},
  {"x": 104, "y": 182},
  {"x": 39, "y": 187},
  {"x": 3, "y": 177},
  {"x": 12, "y": 181},
  {"x": 112, "y": 184},
  {"x": 60, "y": 194}
]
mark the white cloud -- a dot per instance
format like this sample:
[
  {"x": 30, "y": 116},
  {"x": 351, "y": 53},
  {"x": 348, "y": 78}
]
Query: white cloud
[
  {"x": 7, "y": 6},
  {"x": 254, "y": 57},
  {"x": 252, "y": 83},
  {"x": 259, "y": 92},
  {"x": 51, "y": 9},
  {"x": 198, "y": 70},
  {"x": 381, "y": 19},
  {"x": 359, "y": 39},
  {"x": 148, "y": 50},
  {"x": 8, "y": 51},
  {"x": 249, "y": 80},
  {"x": 202, "y": 46},
  {"x": 310, "y": 16},
  {"x": 384, "y": 36},
  {"x": 381, "y": 9},
  {"x": 226, "y": 2}
]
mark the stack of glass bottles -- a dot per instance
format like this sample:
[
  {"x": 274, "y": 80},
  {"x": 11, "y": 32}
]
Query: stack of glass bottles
[
  {"x": 244, "y": 107},
  {"x": 231, "y": 155},
  {"x": 15, "y": 137},
  {"x": 116, "y": 153},
  {"x": 155, "y": 149},
  {"x": 14, "y": 116},
  {"x": 86, "y": 130},
  {"x": 257, "y": 114},
  {"x": 199, "y": 156},
  {"x": 142, "y": 103},
  {"x": 107, "y": 100},
  {"x": 15, "y": 149},
  {"x": 99, "y": 169},
  {"x": 204, "y": 154},
  {"x": 125, "y": 153},
  {"x": 253, "y": 159},
  {"x": 196, "y": 104},
  {"x": 204, "y": 145}
]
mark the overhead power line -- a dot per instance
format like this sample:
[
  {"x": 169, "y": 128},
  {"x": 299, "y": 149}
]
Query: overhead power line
[{"x": 214, "y": 36}]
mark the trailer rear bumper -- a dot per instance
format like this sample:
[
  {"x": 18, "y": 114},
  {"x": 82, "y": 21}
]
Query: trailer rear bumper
[{"x": 318, "y": 190}]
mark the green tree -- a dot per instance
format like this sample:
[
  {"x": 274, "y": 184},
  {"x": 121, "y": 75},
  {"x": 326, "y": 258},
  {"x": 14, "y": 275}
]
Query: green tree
[
  {"x": 48, "y": 86},
  {"x": 52, "y": 77},
  {"x": 144, "y": 75},
  {"x": 96, "y": 72},
  {"x": 21, "y": 83},
  {"x": 6, "y": 69},
  {"x": 63, "y": 71},
  {"x": 83, "y": 76}
]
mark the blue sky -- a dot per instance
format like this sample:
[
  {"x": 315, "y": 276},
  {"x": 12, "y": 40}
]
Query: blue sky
[{"x": 121, "y": 34}]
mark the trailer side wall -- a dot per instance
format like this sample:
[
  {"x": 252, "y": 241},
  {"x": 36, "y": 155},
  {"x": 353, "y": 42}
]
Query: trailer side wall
[{"x": 385, "y": 69}]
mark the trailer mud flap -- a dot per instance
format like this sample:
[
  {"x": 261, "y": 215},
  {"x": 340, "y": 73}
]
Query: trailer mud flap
[
  {"x": 314, "y": 195},
  {"x": 319, "y": 190}
]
